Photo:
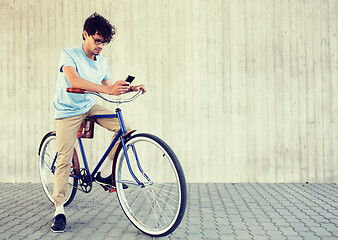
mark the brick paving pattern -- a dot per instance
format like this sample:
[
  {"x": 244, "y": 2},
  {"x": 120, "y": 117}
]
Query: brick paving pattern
[{"x": 214, "y": 211}]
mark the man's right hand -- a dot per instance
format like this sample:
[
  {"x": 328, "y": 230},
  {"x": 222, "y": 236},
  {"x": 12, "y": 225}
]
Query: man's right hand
[{"x": 118, "y": 88}]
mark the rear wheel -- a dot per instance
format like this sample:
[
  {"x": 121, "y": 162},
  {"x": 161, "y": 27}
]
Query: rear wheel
[
  {"x": 48, "y": 154},
  {"x": 157, "y": 206}
]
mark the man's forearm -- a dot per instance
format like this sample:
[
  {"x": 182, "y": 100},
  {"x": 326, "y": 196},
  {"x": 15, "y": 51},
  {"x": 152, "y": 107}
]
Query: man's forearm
[{"x": 87, "y": 85}]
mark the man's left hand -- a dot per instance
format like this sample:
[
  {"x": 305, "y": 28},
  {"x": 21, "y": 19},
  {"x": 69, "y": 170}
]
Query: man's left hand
[{"x": 137, "y": 88}]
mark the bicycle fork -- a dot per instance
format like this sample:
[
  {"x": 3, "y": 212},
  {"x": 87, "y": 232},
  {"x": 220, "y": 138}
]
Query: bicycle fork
[{"x": 137, "y": 162}]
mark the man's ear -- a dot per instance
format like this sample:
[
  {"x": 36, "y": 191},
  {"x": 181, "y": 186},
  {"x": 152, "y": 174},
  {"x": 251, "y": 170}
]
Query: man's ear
[{"x": 85, "y": 34}]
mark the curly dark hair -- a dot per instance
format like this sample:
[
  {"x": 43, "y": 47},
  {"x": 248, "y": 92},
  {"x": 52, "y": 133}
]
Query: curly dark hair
[{"x": 96, "y": 23}]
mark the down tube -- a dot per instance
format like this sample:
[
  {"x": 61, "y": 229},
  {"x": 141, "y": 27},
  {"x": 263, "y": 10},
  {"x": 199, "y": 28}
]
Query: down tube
[{"x": 118, "y": 135}]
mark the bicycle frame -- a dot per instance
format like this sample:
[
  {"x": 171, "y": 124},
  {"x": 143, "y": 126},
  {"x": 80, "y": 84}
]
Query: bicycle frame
[{"x": 121, "y": 134}]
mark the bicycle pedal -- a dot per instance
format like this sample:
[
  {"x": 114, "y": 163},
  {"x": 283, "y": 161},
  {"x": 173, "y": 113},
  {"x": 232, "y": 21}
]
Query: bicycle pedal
[{"x": 108, "y": 188}]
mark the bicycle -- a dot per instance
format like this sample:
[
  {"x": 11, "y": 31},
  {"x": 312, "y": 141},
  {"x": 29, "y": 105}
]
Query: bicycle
[{"x": 146, "y": 174}]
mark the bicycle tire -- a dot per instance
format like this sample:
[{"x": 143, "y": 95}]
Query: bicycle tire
[
  {"x": 47, "y": 153},
  {"x": 165, "y": 191}
]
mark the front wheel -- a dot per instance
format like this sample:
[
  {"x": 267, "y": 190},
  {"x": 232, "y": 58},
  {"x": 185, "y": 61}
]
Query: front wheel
[
  {"x": 156, "y": 204},
  {"x": 47, "y": 164}
]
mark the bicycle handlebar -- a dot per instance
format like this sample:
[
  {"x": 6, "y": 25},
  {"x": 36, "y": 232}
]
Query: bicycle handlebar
[{"x": 118, "y": 101}]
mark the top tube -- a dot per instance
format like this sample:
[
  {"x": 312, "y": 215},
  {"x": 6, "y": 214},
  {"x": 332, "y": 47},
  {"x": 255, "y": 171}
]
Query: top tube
[{"x": 118, "y": 101}]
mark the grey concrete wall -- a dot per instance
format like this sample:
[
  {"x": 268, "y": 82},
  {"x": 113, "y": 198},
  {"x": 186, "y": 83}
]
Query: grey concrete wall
[{"x": 243, "y": 91}]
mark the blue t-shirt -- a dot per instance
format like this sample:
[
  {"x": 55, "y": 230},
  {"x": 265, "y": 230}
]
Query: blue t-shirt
[{"x": 72, "y": 104}]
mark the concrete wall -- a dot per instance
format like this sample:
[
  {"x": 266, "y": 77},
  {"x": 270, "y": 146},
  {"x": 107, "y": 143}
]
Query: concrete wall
[{"x": 243, "y": 91}]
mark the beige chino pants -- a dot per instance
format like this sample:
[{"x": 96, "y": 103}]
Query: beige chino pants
[{"x": 66, "y": 134}]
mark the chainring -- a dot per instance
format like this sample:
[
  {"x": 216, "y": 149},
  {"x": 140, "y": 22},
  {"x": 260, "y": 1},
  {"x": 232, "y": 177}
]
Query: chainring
[{"x": 85, "y": 183}]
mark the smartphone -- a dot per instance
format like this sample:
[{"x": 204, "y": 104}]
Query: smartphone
[{"x": 129, "y": 79}]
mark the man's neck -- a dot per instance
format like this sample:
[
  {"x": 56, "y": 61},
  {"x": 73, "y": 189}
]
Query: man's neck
[{"x": 89, "y": 54}]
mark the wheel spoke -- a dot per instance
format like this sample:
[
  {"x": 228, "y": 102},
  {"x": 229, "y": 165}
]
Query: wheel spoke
[
  {"x": 161, "y": 210},
  {"x": 166, "y": 203},
  {"x": 138, "y": 191},
  {"x": 163, "y": 190},
  {"x": 152, "y": 207}
]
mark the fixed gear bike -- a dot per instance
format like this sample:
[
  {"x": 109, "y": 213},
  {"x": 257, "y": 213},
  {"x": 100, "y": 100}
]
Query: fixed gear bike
[{"x": 146, "y": 175}]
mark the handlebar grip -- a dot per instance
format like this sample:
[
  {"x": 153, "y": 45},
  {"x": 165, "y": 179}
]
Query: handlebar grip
[{"x": 76, "y": 90}]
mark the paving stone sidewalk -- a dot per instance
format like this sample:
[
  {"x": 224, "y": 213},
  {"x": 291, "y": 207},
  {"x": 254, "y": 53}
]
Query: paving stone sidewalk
[{"x": 214, "y": 211}]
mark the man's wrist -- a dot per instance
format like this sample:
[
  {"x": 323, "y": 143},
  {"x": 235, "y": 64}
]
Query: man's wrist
[{"x": 105, "y": 89}]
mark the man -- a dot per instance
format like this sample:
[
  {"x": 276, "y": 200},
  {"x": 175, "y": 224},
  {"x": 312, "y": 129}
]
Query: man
[{"x": 81, "y": 67}]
